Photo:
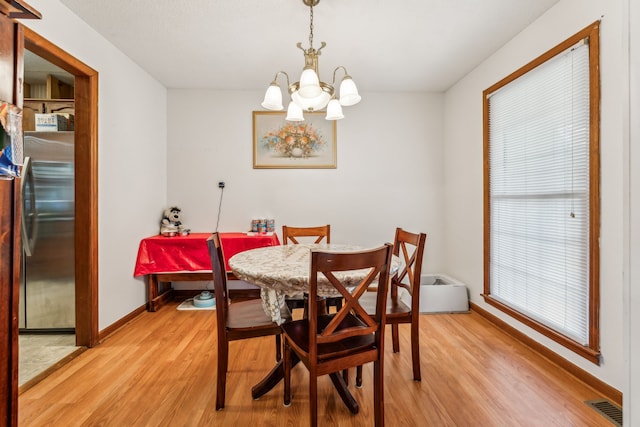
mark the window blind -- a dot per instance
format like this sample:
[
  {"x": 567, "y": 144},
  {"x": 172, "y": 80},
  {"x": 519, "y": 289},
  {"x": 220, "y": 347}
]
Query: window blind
[{"x": 539, "y": 193}]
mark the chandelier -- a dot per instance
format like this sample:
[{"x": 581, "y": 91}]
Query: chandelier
[{"x": 309, "y": 93}]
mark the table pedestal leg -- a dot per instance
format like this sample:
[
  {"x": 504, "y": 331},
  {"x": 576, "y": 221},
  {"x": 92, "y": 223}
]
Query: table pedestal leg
[
  {"x": 273, "y": 378},
  {"x": 277, "y": 374},
  {"x": 343, "y": 391}
]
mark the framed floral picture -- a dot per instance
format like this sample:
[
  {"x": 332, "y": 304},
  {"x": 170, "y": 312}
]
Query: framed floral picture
[{"x": 279, "y": 144}]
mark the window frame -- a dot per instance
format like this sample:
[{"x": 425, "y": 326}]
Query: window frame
[{"x": 591, "y": 351}]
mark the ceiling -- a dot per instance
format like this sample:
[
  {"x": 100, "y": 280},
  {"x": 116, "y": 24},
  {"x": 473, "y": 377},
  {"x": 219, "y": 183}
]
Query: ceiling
[
  {"x": 36, "y": 70},
  {"x": 386, "y": 45}
]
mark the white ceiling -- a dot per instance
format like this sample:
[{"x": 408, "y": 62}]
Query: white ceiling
[
  {"x": 36, "y": 70},
  {"x": 386, "y": 45}
]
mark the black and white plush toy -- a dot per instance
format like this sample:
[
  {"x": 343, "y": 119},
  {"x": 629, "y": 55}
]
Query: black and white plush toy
[{"x": 171, "y": 223}]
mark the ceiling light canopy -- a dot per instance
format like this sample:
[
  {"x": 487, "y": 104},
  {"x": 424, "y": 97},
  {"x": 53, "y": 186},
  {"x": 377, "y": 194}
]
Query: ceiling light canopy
[{"x": 310, "y": 93}]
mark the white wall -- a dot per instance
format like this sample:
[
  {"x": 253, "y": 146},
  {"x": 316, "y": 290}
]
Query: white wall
[
  {"x": 389, "y": 170},
  {"x": 131, "y": 155},
  {"x": 631, "y": 403},
  {"x": 464, "y": 166}
]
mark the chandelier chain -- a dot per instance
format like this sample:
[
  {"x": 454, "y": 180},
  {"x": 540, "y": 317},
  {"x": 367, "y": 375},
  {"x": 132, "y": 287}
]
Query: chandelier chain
[{"x": 311, "y": 26}]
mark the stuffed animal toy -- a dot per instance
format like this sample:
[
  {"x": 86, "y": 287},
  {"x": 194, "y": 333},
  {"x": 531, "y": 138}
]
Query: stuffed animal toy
[{"x": 171, "y": 223}]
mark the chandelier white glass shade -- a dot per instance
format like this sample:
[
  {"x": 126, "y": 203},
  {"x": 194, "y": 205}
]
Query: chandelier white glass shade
[{"x": 310, "y": 93}]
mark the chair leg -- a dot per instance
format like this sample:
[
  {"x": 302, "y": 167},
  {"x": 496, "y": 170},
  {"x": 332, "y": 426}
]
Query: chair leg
[
  {"x": 305, "y": 307},
  {"x": 345, "y": 376},
  {"x": 394, "y": 337},
  {"x": 323, "y": 307},
  {"x": 286, "y": 365},
  {"x": 415, "y": 351},
  {"x": 378, "y": 393},
  {"x": 313, "y": 399},
  {"x": 278, "y": 348},
  {"x": 223, "y": 360},
  {"x": 359, "y": 376},
  {"x": 290, "y": 304}
]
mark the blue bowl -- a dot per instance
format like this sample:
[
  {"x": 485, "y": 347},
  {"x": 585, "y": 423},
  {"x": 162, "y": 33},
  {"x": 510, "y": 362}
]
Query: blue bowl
[{"x": 200, "y": 302}]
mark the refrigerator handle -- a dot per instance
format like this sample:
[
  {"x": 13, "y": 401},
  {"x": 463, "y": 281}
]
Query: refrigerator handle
[{"x": 29, "y": 228}]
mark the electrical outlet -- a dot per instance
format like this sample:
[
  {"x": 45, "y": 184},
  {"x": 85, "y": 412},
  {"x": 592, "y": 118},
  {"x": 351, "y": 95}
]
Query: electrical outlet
[{"x": 221, "y": 184}]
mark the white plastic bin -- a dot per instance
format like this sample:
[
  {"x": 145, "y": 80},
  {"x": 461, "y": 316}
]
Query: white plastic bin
[{"x": 440, "y": 293}]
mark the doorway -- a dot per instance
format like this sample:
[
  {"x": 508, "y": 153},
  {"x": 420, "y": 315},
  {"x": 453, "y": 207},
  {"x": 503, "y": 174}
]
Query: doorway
[
  {"x": 86, "y": 183},
  {"x": 47, "y": 272}
]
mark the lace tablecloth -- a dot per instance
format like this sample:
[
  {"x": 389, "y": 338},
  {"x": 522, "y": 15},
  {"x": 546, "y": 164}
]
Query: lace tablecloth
[{"x": 284, "y": 271}]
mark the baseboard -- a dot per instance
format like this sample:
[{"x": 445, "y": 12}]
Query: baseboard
[
  {"x": 120, "y": 323},
  {"x": 234, "y": 294},
  {"x": 243, "y": 294},
  {"x": 600, "y": 386},
  {"x": 182, "y": 294}
]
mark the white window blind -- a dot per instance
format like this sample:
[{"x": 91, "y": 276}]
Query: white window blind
[{"x": 539, "y": 193}]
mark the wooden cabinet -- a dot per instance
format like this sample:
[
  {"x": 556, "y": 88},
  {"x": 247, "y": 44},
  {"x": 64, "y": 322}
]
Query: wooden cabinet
[
  {"x": 58, "y": 98},
  {"x": 9, "y": 259},
  {"x": 54, "y": 89},
  {"x": 11, "y": 71},
  {"x": 45, "y": 106},
  {"x": 18, "y": 9}
]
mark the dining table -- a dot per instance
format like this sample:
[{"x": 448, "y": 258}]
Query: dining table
[{"x": 284, "y": 270}]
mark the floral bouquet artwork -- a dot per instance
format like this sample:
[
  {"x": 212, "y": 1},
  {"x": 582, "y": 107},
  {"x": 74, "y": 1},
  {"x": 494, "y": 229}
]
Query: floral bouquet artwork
[
  {"x": 294, "y": 140},
  {"x": 282, "y": 144}
]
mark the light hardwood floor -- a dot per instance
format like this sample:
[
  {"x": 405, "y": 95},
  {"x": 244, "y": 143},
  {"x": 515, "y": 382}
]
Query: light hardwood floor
[{"x": 159, "y": 370}]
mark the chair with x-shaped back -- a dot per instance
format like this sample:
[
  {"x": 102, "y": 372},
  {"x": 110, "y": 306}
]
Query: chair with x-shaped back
[
  {"x": 295, "y": 235},
  {"x": 410, "y": 248},
  {"x": 237, "y": 321},
  {"x": 331, "y": 343}
]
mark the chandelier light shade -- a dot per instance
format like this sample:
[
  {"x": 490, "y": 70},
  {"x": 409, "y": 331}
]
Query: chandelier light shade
[
  {"x": 273, "y": 98},
  {"x": 294, "y": 112},
  {"x": 309, "y": 84},
  {"x": 310, "y": 93},
  {"x": 348, "y": 92},
  {"x": 334, "y": 110}
]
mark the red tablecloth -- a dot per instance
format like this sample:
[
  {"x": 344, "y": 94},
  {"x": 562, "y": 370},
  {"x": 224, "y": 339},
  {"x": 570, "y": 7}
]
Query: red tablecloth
[{"x": 159, "y": 254}]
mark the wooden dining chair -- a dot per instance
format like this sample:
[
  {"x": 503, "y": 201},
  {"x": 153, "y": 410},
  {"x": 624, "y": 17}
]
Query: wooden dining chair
[
  {"x": 322, "y": 234},
  {"x": 410, "y": 248},
  {"x": 331, "y": 343},
  {"x": 237, "y": 321}
]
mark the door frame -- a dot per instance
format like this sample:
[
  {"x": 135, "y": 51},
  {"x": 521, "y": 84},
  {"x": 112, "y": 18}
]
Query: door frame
[{"x": 86, "y": 183}]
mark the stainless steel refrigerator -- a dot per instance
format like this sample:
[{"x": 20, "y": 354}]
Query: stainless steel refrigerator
[{"x": 47, "y": 290}]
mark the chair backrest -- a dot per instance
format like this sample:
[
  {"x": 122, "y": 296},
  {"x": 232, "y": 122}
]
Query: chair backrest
[
  {"x": 321, "y": 233},
  {"x": 219, "y": 280},
  {"x": 409, "y": 247},
  {"x": 330, "y": 265}
]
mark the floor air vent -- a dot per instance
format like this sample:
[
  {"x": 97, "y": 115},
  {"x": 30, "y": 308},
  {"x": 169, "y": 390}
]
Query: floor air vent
[{"x": 607, "y": 409}]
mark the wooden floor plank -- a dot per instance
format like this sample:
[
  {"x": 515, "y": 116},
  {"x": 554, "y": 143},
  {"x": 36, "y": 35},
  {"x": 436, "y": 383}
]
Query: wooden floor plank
[{"x": 159, "y": 370}]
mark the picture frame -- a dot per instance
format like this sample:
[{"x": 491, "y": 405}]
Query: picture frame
[{"x": 280, "y": 144}]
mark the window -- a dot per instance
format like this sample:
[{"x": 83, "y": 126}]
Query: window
[{"x": 541, "y": 157}]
